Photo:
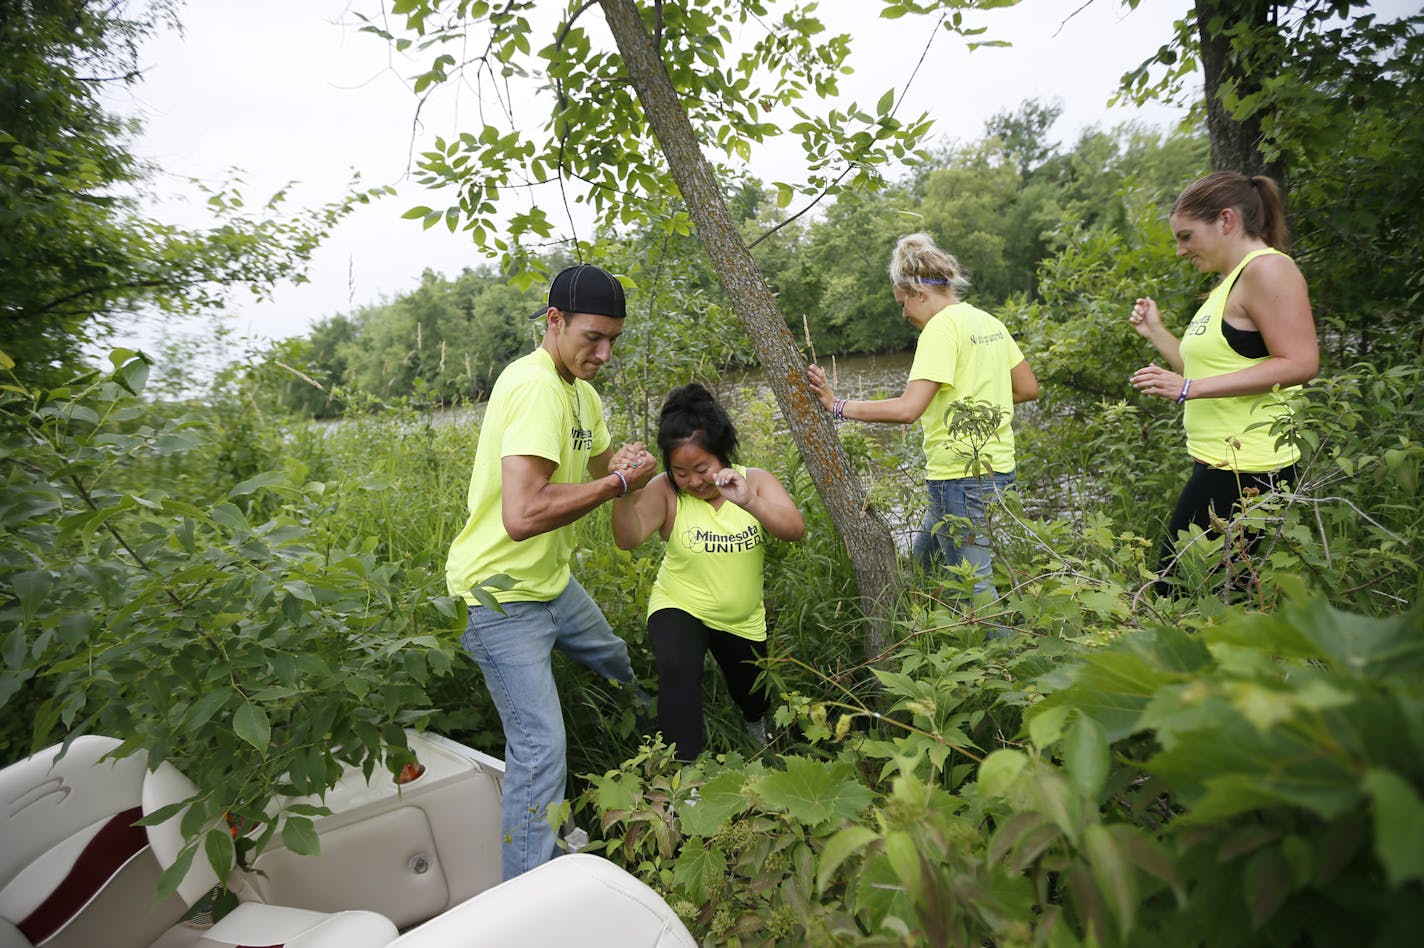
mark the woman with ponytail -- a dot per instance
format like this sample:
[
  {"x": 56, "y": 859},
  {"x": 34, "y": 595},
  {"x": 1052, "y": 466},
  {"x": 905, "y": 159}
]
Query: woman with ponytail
[
  {"x": 715, "y": 516},
  {"x": 1254, "y": 333},
  {"x": 963, "y": 355}
]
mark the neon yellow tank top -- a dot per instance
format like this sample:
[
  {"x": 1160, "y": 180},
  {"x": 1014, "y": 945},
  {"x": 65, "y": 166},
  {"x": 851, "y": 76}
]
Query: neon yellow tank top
[
  {"x": 712, "y": 567},
  {"x": 1215, "y": 425}
]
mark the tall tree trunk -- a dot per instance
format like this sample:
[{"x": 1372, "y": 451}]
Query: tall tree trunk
[
  {"x": 1235, "y": 143},
  {"x": 861, "y": 528}
]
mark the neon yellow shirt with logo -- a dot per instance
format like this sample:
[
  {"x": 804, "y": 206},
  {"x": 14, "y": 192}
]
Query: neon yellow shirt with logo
[
  {"x": 970, "y": 354},
  {"x": 532, "y": 411},
  {"x": 712, "y": 567},
  {"x": 1214, "y": 425}
]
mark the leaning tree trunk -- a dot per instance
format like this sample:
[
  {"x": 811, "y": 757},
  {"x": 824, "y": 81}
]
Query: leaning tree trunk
[
  {"x": 1235, "y": 143},
  {"x": 864, "y": 532}
]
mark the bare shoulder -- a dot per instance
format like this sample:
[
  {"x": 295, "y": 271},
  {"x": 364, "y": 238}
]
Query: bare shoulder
[{"x": 1273, "y": 272}]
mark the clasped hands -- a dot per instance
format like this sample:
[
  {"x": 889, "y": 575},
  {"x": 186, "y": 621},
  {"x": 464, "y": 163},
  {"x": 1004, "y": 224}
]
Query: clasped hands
[{"x": 635, "y": 463}]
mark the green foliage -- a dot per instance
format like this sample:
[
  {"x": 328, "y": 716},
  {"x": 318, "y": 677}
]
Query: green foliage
[
  {"x": 1331, "y": 84},
  {"x": 239, "y": 636},
  {"x": 76, "y": 254},
  {"x": 728, "y": 91},
  {"x": 1257, "y": 783}
]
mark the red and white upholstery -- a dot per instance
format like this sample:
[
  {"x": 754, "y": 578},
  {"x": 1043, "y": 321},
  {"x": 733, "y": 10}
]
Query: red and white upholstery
[
  {"x": 75, "y": 872},
  {"x": 67, "y": 833}
]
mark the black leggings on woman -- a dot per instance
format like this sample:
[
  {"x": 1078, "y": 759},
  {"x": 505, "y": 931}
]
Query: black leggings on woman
[
  {"x": 679, "y": 643},
  {"x": 1212, "y": 490}
]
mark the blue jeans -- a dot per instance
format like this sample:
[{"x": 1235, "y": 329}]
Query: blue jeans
[
  {"x": 514, "y": 650},
  {"x": 938, "y": 544}
]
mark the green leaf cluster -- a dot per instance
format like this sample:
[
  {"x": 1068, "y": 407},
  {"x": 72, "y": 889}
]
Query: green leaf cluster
[
  {"x": 1256, "y": 782},
  {"x": 238, "y": 636}
]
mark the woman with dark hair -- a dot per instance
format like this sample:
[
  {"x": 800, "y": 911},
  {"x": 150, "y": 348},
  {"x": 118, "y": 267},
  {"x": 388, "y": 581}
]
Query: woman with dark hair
[
  {"x": 1255, "y": 332},
  {"x": 715, "y": 516},
  {"x": 964, "y": 354}
]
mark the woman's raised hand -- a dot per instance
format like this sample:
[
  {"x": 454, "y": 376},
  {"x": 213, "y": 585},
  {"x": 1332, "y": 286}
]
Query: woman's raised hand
[
  {"x": 1145, "y": 317},
  {"x": 733, "y": 486},
  {"x": 820, "y": 387}
]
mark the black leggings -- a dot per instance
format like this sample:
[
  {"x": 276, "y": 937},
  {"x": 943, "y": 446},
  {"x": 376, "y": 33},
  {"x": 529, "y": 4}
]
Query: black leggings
[
  {"x": 1212, "y": 490},
  {"x": 679, "y": 643}
]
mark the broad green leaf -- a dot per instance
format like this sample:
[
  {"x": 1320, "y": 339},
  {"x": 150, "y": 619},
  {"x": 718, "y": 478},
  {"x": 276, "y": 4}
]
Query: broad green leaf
[
  {"x": 300, "y": 589},
  {"x": 1086, "y": 757},
  {"x": 132, "y": 376},
  {"x": 814, "y": 791},
  {"x": 904, "y": 857},
  {"x": 1000, "y": 769},
  {"x": 1267, "y": 884},
  {"x": 838, "y": 848},
  {"x": 719, "y": 799},
  {"x": 202, "y": 710},
  {"x": 1399, "y": 825},
  {"x": 251, "y": 724},
  {"x": 217, "y": 845},
  {"x": 31, "y": 587},
  {"x": 1114, "y": 874},
  {"x": 1150, "y": 856},
  {"x": 299, "y": 835},
  {"x": 699, "y": 870},
  {"x": 1045, "y": 723},
  {"x": 257, "y": 482},
  {"x": 614, "y": 793},
  {"x": 174, "y": 875}
]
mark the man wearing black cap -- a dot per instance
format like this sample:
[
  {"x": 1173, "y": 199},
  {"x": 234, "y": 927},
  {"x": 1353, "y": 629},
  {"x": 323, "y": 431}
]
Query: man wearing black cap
[{"x": 544, "y": 460}]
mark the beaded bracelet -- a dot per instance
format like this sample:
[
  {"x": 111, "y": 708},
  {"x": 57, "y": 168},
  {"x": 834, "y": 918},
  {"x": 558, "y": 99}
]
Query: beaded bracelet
[
  {"x": 1186, "y": 387},
  {"x": 838, "y": 412},
  {"x": 624, "y": 480}
]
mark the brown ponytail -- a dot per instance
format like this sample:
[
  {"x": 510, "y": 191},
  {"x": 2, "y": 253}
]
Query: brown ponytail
[{"x": 1257, "y": 200}]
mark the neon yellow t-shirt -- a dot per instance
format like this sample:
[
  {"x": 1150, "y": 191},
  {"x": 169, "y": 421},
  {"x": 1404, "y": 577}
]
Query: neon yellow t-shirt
[
  {"x": 712, "y": 567},
  {"x": 1214, "y": 424},
  {"x": 532, "y": 411},
  {"x": 969, "y": 353}
]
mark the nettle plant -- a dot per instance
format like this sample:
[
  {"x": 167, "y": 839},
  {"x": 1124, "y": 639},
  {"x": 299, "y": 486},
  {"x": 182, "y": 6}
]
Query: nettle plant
[
  {"x": 1257, "y": 782},
  {"x": 237, "y": 637}
]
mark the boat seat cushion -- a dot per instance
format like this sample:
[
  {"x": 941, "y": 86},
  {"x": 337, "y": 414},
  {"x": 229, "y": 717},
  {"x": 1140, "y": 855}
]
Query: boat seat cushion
[
  {"x": 253, "y": 924},
  {"x": 578, "y": 899}
]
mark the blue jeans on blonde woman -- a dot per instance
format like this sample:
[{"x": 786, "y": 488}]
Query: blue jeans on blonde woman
[
  {"x": 514, "y": 651},
  {"x": 941, "y": 543}
]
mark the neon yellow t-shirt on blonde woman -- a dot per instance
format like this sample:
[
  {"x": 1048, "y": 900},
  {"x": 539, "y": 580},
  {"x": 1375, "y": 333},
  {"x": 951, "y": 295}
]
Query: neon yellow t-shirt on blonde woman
[
  {"x": 534, "y": 412},
  {"x": 1214, "y": 425},
  {"x": 969, "y": 353},
  {"x": 712, "y": 567}
]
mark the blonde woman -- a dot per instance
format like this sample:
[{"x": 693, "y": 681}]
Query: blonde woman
[{"x": 963, "y": 354}]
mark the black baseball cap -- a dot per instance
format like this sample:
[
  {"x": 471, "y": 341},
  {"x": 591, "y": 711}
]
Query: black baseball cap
[{"x": 586, "y": 289}]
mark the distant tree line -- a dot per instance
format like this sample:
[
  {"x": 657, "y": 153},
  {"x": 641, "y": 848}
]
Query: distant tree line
[{"x": 1005, "y": 203}]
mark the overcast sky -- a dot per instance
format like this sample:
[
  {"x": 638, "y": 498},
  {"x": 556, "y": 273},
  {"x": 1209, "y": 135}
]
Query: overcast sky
[{"x": 292, "y": 91}]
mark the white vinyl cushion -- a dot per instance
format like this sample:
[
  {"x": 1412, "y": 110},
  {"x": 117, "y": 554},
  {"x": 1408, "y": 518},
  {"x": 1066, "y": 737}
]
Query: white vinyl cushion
[
  {"x": 253, "y": 923},
  {"x": 575, "y": 900},
  {"x": 164, "y": 786}
]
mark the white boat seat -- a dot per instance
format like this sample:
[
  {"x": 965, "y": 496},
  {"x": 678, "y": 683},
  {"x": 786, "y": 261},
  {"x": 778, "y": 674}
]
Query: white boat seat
[
  {"x": 67, "y": 833},
  {"x": 76, "y": 872},
  {"x": 578, "y": 899},
  {"x": 253, "y": 923}
]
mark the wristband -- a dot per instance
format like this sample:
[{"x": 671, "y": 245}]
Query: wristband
[
  {"x": 838, "y": 411},
  {"x": 624, "y": 482},
  {"x": 1186, "y": 387}
]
